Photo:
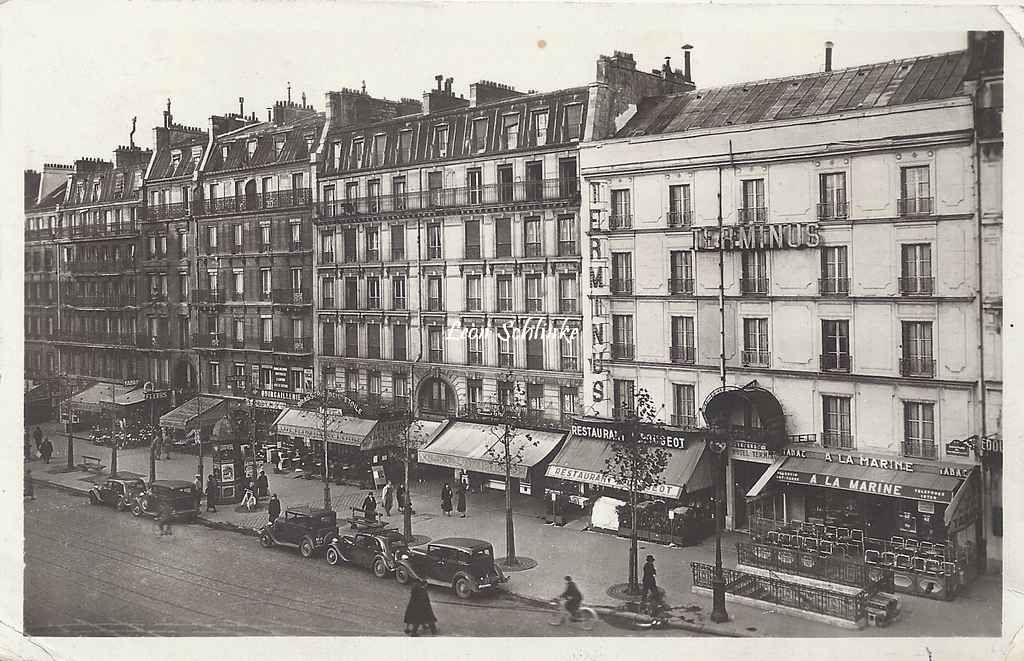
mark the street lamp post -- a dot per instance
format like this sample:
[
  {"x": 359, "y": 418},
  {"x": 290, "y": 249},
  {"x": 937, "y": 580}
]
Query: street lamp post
[
  {"x": 718, "y": 612},
  {"x": 327, "y": 483}
]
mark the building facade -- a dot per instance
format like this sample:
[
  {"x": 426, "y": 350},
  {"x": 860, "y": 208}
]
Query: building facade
[{"x": 845, "y": 211}]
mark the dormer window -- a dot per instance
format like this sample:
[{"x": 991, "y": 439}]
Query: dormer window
[
  {"x": 251, "y": 147},
  {"x": 510, "y": 132},
  {"x": 96, "y": 189},
  {"x": 175, "y": 158},
  {"x": 441, "y": 141},
  {"x": 572, "y": 124},
  {"x": 356, "y": 160},
  {"x": 224, "y": 152},
  {"x": 478, "y": 140},
  {"x": 197, "y": 153},
  {"x": 80, "y": 192},
  {"x": 278, "y": 145},
  {"x": 309, "y": 141},
  {"x": 405, "y": 146},
  {"x": 380, "y": 143},
  {"x": 138, "y": 180},
  {"x": 336, "y": 154},
  {"x": 539, "y": 127},
  {"x": 119, "y": 185}
]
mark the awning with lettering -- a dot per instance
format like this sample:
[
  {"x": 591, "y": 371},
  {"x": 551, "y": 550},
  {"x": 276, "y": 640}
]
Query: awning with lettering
[
  {"x": 196, "y": 413},
  {"x": 584, "y": 460},
  {"x": 341, "y": 428},
  {"x": 101, "y": 397},
  {"x": 475, "y": 446},
  {"x": 965, "y": 507},
  {"x": 915, "y": 485}
]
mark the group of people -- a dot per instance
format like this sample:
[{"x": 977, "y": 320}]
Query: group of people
[
  {"x": 254, "y": 491},
  {"x": 44, "y": 448},
  {"x": 390, "y": 495},
  {"x": 461, "y": 487}
]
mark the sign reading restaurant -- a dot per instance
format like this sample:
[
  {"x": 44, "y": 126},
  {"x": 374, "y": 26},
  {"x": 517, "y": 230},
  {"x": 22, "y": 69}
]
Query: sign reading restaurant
[
  {"x": 757, "y": 236},
  {"x": 612, "y": 430}
]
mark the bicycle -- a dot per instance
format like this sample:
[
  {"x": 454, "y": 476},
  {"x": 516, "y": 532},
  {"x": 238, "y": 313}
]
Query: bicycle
[{"x": 587, "y": 616}]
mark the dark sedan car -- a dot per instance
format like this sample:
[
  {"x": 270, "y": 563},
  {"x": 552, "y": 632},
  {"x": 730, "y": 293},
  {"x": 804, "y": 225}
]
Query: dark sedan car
[
  {"x": 465, "y": 565},
  {"x": 378, "y": 551},
  {"x": 306, "y": 528},
  {"x": 118, "y": 490},
  {"x": 178, "y": 493}
]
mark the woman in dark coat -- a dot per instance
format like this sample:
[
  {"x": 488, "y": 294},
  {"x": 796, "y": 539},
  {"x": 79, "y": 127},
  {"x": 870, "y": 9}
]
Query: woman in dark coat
[
  {"x": 446, "y": 499},
  {"x": 460, "y": 499},
  {"x": 370, "y": 507},
  {"x": 419, "y": 612}
]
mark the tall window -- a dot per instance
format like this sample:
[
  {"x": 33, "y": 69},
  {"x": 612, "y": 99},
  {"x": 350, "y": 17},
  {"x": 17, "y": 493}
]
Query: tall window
[
  {"x": 348, "y": 241},
  {"x": 327, "y": 338},
  {"x": 568, "y": 294},
  {"x": 398, "y": 299},
  {"x": 238, "y": 284},
  {"x": 472, "y": 239},
  {"x": 397, "y": 242},
  {"x": 755, "y": 272},
  {"x": 539, "y": 127},
  {"x": 535, "y": 395},
  {"x": 474, "y": 393},
  {"x": 683, "y": 405},
  {"x": 680, "y": 278},
  {"x": 755, "y": 342},
  {"x": 474, "y": 298},
  {"x": 623, "y": 391},
  {"x": 352, "y": 381},
  {"x": 753, "y": 209},
  {"x": 435, "y": 188},
  {"x": 266, "y": 330},
  {"x": 435, "y": 302},
  {"x": 532, "y": 237},
  {"x": 373, "y": 340},
  {"x": 435, "y": 342},
  {"x": 327, "y": 293},
  {"x": 398, "y": 193},
  {"x": 534, "y": 181},
  {"x": 679, "y": 210},
  {"x": 264, "y": 236},
  {"x": 265, "y": 283},
  {"x": 534, "y": 352},
  {"x": 474, "y": 186},
  {"x": 510, "y": 131},
  {"x": 918, "y": 359},
  {"x": 398, "y": 342},
  {"x": 534, "y": 293},
  {"x": 835, "y": 345},
  {"x": 572, "y": 124},
  {"x": 682, "y": 349},
  {"x": 622, "y": 337},
  {"x": 404, "y": 146},
  {"x": 916, "y": 269},
  {"x": 621, "y": 211},
  {"x": 373, "y": 196},
  {"x": 622, "y": 273},
  {"x": 434, "y": 241},
  {"x": 832, "y": 202},
  {"x": 327, "y": 247},
  {"x": 915, "y": 191},
  {"x": 215, "y": 374},
  {"x": 569, "y": 352},
  {"x": 356, "y": 155},
  {"x": 380, "y": 143},
  {"x": 835, "y": 423},
  {"x": 440, "y": 142},
  {"x": 835, "y": 279},
  {"x": 503, "y": 237},
  {"x": 478, "y": 143},
  {"x": 372, "y": 244},
  {"x": 506, "y": 184},
  {"x": 503, "y": 284},
  {"x": 400, "y": 389},
  {"x": 296, "y": 278},
  {"x": 373, "y": 293},
  {"x": 919, "y": 430},
  {"x": 351, "y": 339},
  {"x": 351, "y": 293},
  {"x": 506, "y": 357},
  {"x": 567, "y": 236},
  {"x": 474, "y": 349},
  {"x": 568, "y": 399},
  {"x": 211, "y": 237}
]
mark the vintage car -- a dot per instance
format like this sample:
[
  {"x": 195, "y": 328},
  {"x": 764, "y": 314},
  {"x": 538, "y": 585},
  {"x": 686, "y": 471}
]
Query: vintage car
[
  {"x": 308, "y": 529},
  {"x": 465, "y": 565},
  {"x": 177, "y": 492},
  {"x": 119, "y": 490},
  {"x": 378, "y": 551}
]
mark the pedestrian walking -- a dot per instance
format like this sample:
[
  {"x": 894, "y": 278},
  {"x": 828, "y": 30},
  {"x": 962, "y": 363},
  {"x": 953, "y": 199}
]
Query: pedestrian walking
[
  {"x": 446, "y": 499},
  {"x": 273, "y": 508},
  {"x": 460, "y": 499},
  {"x": 46, "y": 449},
  {"x": 165, "y": 444},
  {"x": 418, "y": 613},
  {"x": 262, "y": 484},
  {"x": 370, "y": 507},
  {"x": 211, "y": 490},
  {"x": 249, "y": 497},
  {"x": 400, "y": 497},
  {"x": 30, "y": 490},
  {"x": 387, "y": 497},
  {"x": 38, "y": 435},
  {"x": 163, "y": 518},
  {"x": 650, "y": 585},
  {"x": 197, "y": 492}
]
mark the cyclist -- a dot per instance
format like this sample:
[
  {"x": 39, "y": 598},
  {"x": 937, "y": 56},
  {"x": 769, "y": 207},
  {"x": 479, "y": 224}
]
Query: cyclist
[{"x": 573, "y": 598}]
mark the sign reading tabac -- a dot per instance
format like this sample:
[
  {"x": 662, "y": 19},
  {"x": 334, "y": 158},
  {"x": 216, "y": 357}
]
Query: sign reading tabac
[{"x": 757, "y": 236}]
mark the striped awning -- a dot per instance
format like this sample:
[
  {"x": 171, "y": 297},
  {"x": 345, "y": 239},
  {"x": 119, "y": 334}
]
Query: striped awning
[
  {"x": 101, "y": 397},
  {"x": 196, "y": 413},
  {"x": 341, "y": 428},
  {"x": 476, "y": 447}
]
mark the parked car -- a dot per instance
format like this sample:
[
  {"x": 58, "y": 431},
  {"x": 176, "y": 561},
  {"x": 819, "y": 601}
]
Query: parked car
[
  {"x": 465, "y": 565},
  {"x": 177, "y": 492},
  {"x": 119, "y": 490},
  {"x": 378, "y": 551},
  {"x": 307, "y": 529}
]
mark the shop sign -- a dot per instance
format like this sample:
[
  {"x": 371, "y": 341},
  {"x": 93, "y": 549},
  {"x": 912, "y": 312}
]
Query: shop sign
[
  {"x": 600, "y": 479},
  {"x": 947, "y": 469},
  {"x": 959, "y": 448},
  {"x": 646, "y": 434},
  {"x": 757, "y": 236},
  {"x": 280, "y": 377},
  {"x": 748, "y": 450},
  {"x": 875, "y": 487},
  {"x": 265, "y": 404},
  {"x": 965, "y": 508}
]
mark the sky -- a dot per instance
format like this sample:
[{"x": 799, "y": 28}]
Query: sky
[{"x": 75, "y": 74}]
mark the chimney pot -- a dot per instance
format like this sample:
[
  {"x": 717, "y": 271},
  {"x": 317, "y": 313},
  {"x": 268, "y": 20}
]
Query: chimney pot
[
  {"x": 828, "y": 55},
  {"x": 448, "y": 85},
  {"x": 686, "y": 62},
  {"x": 241, "y": 106},
  {"x": 439, "y": 78},
  {"x": 289, "y": 91}
]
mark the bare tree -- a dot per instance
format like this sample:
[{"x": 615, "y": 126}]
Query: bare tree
[
  {"x": 509, "y": 451},
  {"x": 411, "y": 436},
  {"x": 637, "y": 467}
]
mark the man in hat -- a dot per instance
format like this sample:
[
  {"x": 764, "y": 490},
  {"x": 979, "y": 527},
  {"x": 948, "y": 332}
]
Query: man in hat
[{"x": 650, "y": 585}]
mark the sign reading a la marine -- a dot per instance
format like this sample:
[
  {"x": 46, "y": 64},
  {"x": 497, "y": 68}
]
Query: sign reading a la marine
[{"x": 757, "y": 236}]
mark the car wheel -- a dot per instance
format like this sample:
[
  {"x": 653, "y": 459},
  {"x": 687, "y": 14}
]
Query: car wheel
[
  {"x": 306, "y": 549},
  {"x": 463, "y": 590},
  {"x": 93, "y": 499},
  {"x": 266, "y": 541},
  {"x": 137, "y": 510},
  {"x": 380, "y": 570},
  {"x": 121, "y": 505},
  {"x": 333, "y": 559},
  {"x": 402, "y": 575}
]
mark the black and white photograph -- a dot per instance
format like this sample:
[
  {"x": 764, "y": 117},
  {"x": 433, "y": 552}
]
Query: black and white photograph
[{"x": 624, "y": 326}]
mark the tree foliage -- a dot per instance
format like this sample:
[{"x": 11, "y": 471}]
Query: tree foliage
[{"x": 634, "y": 465}]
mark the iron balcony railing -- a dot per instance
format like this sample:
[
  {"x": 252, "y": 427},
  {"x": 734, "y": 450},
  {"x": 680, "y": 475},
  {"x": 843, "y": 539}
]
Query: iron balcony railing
[
  {"x": 680, "y": 285},
  {"x": 284, "y": 199},
  {"x": 164, "y": 211},
  {"x": 917, "y": 286},
  {"x": 680, "y": 219},
  {"x": 837, "y": 440},
  {"x": 489, "y": 412},
  {"x": 834, "y": 286},
  {"x": 292, "y": 296},
  {"x": 568, "y": 306},
  {"x": 209, "y": 295},
  {"x": 474, "y": 304},
  {"x": 756, "y": 358},
  {"x": 920, "y": 449},
  {"x": 100, "y": 266},
  {"x": 100, "y": 230},
  {"x": 210, "y": 341},
  {"x": 623, "y": 351},
  {"x": 534, "y": 305},
  {"x": 154, "y": 341},
  {"x": 752, "y": 214},
  {"x": 914, "y": 206},
  {"x": 682, "y": 355},
  {"x": 569, "y": 363},
  {"x": 832, "y": 210},
  {"x": 568, "y": 249},
  {"x": 915, "y": 366},
  {"x": 473, "y": 251},
  {"x": 95, "y": 337},
  {"x": 439, "y": 198},
  {"x": 533, "y": 249},
  {"x": 293, "y": 344},
  {"x": 99, "y": 300},
  {"x": 622, "y": 285},
  {"x": 506, "y": 360},
  {"x": 327, "y": 257},
  {"x": 620, "y": 221},
  {"x": 686, "y": 421},
  {"x": 835, "y": 362},
  {"x": 754, "y": 285}
]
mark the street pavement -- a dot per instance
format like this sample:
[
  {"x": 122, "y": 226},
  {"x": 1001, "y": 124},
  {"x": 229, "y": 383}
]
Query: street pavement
[{"x": 595, "y": 560}]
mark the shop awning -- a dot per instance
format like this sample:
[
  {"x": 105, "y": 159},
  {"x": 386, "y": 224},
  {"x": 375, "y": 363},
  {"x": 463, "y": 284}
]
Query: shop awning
[
  {"x": 584, "y": 460},
  {"x": 391, "y": 434},
  {"x": 765, "y": 478},
  {"x": 196, "y": 413},
  {"x": 965, "y": 506},
  {"x": 916, "y": 485},
  {"x": 100, "y": 397},
  {"x": 475, "y": 446},
  {"x": 341, "y": 428}
]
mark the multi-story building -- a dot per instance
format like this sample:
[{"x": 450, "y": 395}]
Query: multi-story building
[
  {"x": 449, "y": 236},
  {"x": 97, "y": 233},
  {"x": 252, "y": 298},
  {"x": 845, "y": 210}
]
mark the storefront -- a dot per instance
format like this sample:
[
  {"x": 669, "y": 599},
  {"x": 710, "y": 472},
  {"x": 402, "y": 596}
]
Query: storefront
[
  {"x": 478, "y": 450},
  {"x": 197, "y": 414},
  {"x": 300, "y": 435}
]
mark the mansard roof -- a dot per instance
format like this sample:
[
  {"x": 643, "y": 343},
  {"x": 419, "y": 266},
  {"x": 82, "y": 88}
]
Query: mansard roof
[
  {"x": 886, "y": 84},
  {"x": 301, "y": 135},
  {"x": 115, "y": 184},
  {"x": 184, "y": 143}
]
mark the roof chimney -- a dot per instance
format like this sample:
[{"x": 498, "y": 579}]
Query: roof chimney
[
  {"x": 289, "y": 91},
  {"x": 167, "y": 115},
  {"x": 303, "y": 98},
  {"x": 439, "y": 78},
  {"x": 241, "y": 106},
  {"x": 686, "y": 62},
  {"x": 667, "y": 68},
  {"x": 828, "y": 55},
  {"x": 448, "y": 85},
  {"x": 270, "y": 114}
]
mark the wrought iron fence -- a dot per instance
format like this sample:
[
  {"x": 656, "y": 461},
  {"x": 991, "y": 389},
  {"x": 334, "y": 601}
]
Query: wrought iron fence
[{"x": 832, "y": 569}]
